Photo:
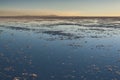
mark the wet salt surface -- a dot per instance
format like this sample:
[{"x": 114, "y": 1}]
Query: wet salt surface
[{"x": 84, "y": 49}]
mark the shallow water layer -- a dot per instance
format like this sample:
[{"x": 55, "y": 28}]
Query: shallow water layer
[{"x": 43, "y": 49}]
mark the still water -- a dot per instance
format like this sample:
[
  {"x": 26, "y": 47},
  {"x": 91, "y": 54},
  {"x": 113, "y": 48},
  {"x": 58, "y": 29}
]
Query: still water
[{"x": 60, "y": 49}]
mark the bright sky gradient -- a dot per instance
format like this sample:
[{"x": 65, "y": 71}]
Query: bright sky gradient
[{"x": 60, "y": 7}]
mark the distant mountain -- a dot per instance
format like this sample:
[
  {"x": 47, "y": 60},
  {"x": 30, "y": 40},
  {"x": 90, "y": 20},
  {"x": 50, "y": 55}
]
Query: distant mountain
[{"x": 57, "y": 17}]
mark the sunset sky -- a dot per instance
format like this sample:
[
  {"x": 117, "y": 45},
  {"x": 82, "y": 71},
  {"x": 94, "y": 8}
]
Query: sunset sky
[{"x": 60, "y": 7}]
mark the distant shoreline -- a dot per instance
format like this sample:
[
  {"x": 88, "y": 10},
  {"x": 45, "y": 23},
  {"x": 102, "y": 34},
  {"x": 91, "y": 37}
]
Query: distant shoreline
[{"x": 58, "y": 17}]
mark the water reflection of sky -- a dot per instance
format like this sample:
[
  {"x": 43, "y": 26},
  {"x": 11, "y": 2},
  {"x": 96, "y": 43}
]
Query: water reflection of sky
[{"x": 59, "y": 50}]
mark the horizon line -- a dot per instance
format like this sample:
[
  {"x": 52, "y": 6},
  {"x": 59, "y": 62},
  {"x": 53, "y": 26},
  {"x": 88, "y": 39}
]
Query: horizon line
[{"x": 56, "y": 16}]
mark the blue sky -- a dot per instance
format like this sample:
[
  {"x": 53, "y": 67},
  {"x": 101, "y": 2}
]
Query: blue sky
[{"x": 76, "y": 7}]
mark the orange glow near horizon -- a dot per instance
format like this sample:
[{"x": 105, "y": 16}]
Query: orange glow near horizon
[
  {"x": 37, "y": 13},
  {"x": 52, "y": 12}
]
